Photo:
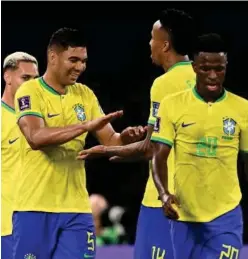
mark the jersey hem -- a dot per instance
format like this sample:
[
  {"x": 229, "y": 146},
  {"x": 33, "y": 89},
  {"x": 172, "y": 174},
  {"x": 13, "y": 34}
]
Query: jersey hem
[
  {"x": 162, "y": 140},
  {"x": 150, "y": 206},
  {"x": 207, "y": 219},
  {"x": 6, "y": 233},
  {"x": 57, "y": 210}
]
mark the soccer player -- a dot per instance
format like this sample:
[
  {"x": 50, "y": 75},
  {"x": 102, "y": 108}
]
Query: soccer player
[
  {"x": 171, "y": 41},
  {"x": 207, "y": 126},
  {"x": 52, "y": 217},
  {"x": 18, "y": 67}
]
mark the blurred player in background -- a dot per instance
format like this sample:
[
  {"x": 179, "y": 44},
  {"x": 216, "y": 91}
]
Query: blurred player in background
[
  {"x": 18, "y": 67},
  {"x": 52, "y": 217},
  {"x": 172, "y": 39},
  {"x": 208, "y": 126},
  {"x": 98, "y": 205}
]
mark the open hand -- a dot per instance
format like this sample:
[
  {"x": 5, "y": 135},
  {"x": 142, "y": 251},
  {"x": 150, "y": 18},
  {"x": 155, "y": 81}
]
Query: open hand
[{"x": 99, "y": 123}]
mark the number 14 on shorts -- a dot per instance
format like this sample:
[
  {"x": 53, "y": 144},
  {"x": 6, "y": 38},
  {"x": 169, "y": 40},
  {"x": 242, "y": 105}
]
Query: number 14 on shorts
[{"x": 158, "y": 253}]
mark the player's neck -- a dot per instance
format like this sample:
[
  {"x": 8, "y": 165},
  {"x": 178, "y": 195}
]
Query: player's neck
[
  {"x": 53, "y": 83},
  {"x": 208, "y": 96},
  {"x": 172, "y": 60},
  {"x": 8, "y": 97}
]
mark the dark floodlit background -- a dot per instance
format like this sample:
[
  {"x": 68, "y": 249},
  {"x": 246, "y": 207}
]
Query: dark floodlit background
[{"x": 120, "y": 71}]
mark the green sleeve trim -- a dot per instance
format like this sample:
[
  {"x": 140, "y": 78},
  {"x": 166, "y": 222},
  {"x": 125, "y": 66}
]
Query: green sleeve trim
[
  {"x": 151, "y": 122},
  {"x": 30, "y": 114},
  {"x": 162, "y": 140}
]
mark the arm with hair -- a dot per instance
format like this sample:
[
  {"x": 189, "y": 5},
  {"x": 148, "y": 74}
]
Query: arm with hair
[
  {"x": 141, "y": 150},
  {"x": 136, "y": 151}
]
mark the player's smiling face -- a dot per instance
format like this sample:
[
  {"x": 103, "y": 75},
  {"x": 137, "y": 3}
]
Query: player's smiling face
[
  {"x": 210, "y": 69},
  {"x": 71, "y": 63}
]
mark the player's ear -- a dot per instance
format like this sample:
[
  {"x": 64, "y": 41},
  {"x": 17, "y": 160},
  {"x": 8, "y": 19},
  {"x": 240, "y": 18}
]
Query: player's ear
[
  {"x": 7, "y": 77},
  {"x": 51, "y": 54},
  {"x": 166, "y": 46},
  {"x": 194, "y": 63}
]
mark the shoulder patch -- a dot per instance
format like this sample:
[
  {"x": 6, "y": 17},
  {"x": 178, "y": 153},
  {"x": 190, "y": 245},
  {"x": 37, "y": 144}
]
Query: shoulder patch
[
  {"x": 155, "y": 107},
  {"x": 24, "y": 103}
]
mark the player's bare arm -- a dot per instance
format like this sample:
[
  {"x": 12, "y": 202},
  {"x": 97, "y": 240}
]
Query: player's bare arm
[
  {"x": 108, "y": 137},
  {"x": 160, "y": 177},
  {"x": 39, "y": 136},
  {"x": 132, "y": 152}
]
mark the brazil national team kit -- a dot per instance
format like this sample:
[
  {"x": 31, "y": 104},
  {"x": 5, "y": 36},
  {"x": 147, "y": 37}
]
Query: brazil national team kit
[
  {"x": 52, "y": 206},
  {"x": 153, "y": 239},
  {"x": 206, "y": 139},
  {"x": 10, "y": 164}
]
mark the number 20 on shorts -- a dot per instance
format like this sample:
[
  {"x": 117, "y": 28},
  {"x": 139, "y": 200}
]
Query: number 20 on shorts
[{"x": 230, "y": 252}]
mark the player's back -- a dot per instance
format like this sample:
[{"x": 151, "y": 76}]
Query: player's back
[
  {"x": 51, "y": 179},
  {"x": 179, "y": 77},
  {"x": 208, "y": 138},
  {"x": 10, "y": 162}
]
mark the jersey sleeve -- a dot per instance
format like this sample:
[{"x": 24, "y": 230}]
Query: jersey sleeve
[
  {"x": 164, "y": 129},
  {"x": 96, "y": 109},
  {"x": 27, "y": 101},
  {"x": 244, "y": 135},
  {"x": 154, "y": 103}
]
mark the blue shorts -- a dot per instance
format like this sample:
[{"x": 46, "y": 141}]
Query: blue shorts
[
  {"x": 153, "y": 238},
  {"x": 6, "y": 247},
  {"x": 44, "y": 235},
  {"x": 219, "y": 238}
]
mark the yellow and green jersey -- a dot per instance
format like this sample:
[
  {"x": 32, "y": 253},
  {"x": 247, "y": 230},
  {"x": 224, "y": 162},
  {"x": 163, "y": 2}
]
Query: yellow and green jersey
[
  {"x": 206, "y": 139},
  {"x": 178, "y": 78},
  {"x": 51, "y": 179},
  {"x": 10, "y": 164}
]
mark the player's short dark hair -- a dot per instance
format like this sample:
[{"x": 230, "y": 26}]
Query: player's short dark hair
[
  {"x": 67, "y": 37},
  {"x": 181, "y": 29},
  {"x": 211, "y": 42}
]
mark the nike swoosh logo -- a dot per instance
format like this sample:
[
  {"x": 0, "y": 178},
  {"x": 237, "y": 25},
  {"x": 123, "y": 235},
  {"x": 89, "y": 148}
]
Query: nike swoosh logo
[
  {"x": 49, "y": 115},
  {"x": 88, "y": 256},
  {"x": 13, "y": 140},
  {"x": 188, "y": 124}
]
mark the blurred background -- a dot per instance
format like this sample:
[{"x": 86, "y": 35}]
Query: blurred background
[{"x": 120, "y": 73}]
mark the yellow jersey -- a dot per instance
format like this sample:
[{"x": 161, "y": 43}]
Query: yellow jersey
[
  {"x": 178, "y": 78},
  {"x": 10, "y": 164},
  {"x": 207, "y": 138},
  {"x": 51, "y": 179}
]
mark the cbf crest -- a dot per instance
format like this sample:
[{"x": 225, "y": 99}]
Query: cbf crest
[
  {"x": 80, "y": 112},
  {"x": 229, "y": 126}
]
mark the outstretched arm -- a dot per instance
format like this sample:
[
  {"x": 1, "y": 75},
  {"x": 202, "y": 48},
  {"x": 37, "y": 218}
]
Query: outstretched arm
[
  {"x": 131, "y": 152},
  {"x": 39, "y": 136}
]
